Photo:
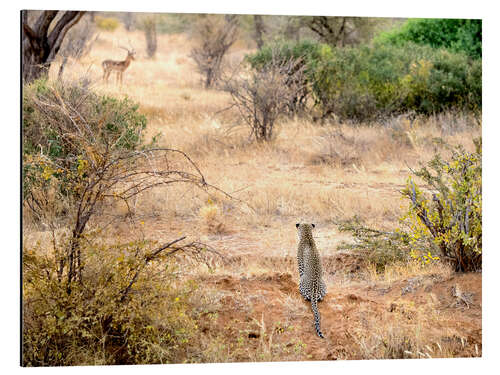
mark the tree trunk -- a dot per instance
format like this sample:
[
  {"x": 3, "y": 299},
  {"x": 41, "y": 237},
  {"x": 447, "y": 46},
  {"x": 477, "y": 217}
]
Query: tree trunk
[
  {"x": 259, "y": 30},
  {"x": 39, "y": 46},
  {"x": 151, "y": 40},
  {"x": 292, "y": 29},
  {"x": 129, "y": 21},
  {"x": 61, "y": 68}
]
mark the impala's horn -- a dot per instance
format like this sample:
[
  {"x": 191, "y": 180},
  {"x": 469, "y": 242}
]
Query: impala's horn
[
  {"x": 132, "y": 50},
  {"x": 125, "y": 48}
]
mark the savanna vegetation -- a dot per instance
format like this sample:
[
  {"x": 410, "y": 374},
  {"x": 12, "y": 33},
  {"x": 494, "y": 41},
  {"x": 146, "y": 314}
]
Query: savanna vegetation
[{"x": 159, "y": 214}]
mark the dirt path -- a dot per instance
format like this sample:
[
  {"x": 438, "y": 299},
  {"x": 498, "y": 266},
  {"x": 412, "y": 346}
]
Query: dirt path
[{"x": 358, "y": 321}]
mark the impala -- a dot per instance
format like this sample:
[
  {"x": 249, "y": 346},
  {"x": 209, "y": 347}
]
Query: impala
[{"x": 119, "y": 66}]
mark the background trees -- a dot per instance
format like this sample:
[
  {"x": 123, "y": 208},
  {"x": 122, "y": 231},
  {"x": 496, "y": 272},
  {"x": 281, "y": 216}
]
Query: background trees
[
  {"x": 214, "y": 35},
  {"x": 457, "y": 35},
  {"x": 393, "y": 74},
  {"x": 342, "y": 31}
]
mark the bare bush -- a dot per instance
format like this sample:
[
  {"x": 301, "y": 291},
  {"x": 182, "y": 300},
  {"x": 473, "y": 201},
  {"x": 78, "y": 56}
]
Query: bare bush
[
  {"x": 263, "y": 95},
  {"x": 214, "y": 38}
]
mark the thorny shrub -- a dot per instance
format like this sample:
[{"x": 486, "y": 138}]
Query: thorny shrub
[
  {"x": 131, "y": 307},
  {"x": 81, "y": 153},
  {"x": 305, "y": 53},
  {"x": 87, "y": 301},
  {"x": 443, "y": 221},
  {"x": 450, "y": 214},
  {"x": 263, "y": 95}
]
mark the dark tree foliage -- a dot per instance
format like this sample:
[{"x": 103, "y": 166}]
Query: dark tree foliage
[{"x": 458, "y": 35}]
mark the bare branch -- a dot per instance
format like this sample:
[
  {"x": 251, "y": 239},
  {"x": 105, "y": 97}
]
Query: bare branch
[{"x": 196, "y": 248}]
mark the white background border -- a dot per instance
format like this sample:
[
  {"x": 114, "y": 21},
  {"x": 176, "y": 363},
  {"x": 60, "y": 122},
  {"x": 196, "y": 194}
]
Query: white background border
[{"x": 10, "y": 166}]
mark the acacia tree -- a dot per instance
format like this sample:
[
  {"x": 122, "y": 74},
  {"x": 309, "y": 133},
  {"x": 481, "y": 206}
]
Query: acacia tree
[
  {"x": 42, "y": 40},
  {"x": 341, "y": 31}
]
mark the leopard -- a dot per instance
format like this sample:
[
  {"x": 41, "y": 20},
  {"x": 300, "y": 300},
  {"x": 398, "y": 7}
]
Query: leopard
[{"x": 312, "y": 286}]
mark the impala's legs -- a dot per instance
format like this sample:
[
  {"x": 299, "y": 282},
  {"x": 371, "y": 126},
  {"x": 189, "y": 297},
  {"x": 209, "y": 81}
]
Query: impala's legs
[{"x": 106, "y": 75}]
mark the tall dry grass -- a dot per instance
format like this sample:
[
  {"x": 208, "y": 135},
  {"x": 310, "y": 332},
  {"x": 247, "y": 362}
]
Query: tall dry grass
[{"x": 310, "y": 172}]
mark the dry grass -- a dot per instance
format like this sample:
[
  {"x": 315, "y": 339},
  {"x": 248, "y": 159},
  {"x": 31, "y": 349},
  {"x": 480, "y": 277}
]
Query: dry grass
[{"x": 308, "y": 173}]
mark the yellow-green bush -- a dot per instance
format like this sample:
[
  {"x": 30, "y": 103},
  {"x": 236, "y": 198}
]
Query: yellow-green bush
[
  {"x": 368, "y": 82},
  {"x": 107, "y": 23},
  {"x": 443, "y": 222},
  {"x": 449, "y": 216},
  {"x": 100, "y": 323}
]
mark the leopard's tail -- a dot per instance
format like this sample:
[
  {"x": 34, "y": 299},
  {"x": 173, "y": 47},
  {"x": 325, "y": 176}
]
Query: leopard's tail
[{"x": 314, "y": 305}]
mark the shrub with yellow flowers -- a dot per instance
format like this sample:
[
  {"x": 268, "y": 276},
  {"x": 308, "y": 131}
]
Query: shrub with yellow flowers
[
  {"x": 448, "y": 214},
  {"x": 443, "y": 221}
]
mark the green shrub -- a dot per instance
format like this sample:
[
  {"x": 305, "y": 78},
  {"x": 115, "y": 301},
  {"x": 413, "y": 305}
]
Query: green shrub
[
  {"x": 455, "y": 81},
  {"x": 366, "y": 83},
  {"x": 107, "y": 23},
  {"x": 58, "y": 118},
  {"x": 457, "y": 35},
  {"x": 117, "y": 120},
  {"x": 379, "y": 247},
  {"x": 443, "y": 222}
]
